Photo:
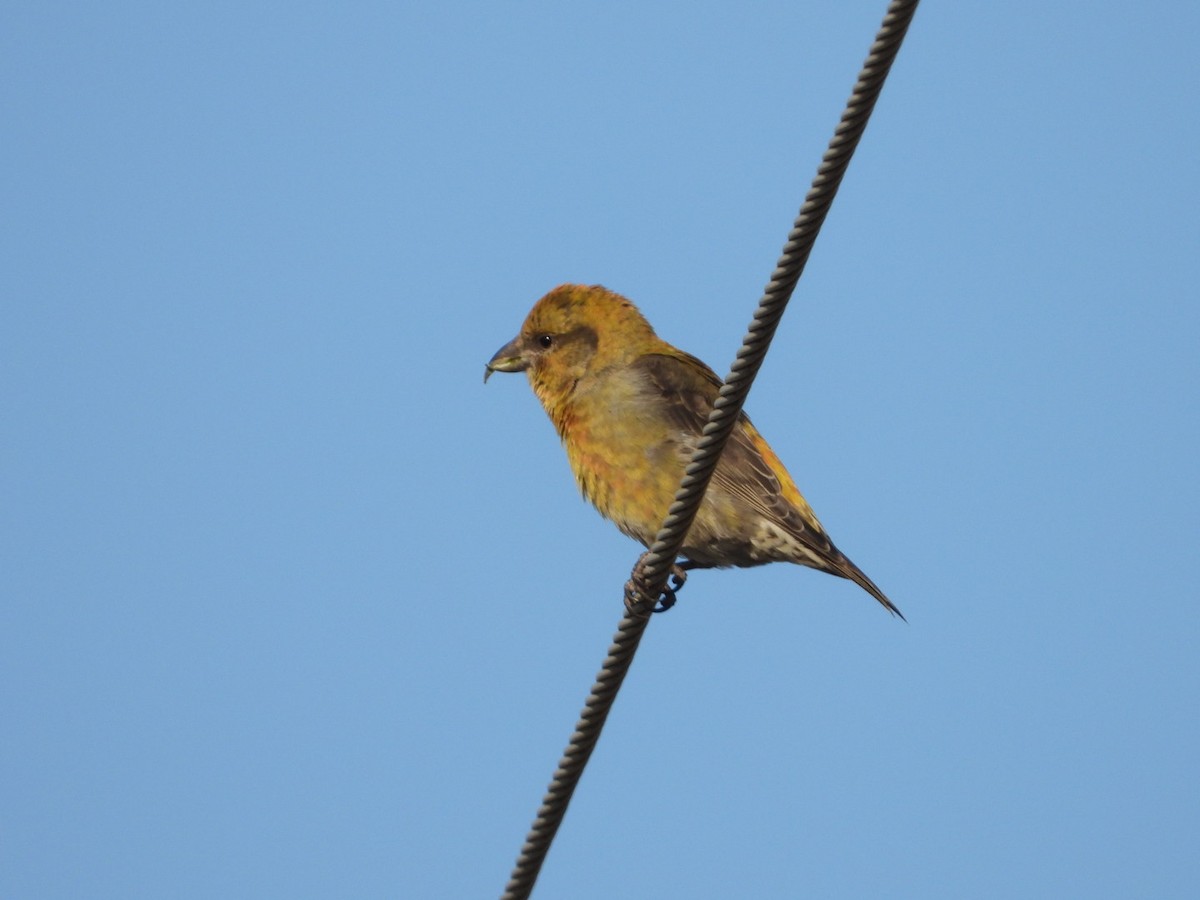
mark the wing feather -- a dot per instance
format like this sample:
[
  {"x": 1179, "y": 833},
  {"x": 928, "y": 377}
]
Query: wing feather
[{"x": 688, "y": 389}]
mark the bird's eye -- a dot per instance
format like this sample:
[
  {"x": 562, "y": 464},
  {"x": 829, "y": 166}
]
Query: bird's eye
[{"x": 544, "y": 341}]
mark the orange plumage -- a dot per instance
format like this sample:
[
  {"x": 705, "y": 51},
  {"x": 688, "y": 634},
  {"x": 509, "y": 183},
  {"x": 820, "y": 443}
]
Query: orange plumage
[{"x": 630, "y": 407}]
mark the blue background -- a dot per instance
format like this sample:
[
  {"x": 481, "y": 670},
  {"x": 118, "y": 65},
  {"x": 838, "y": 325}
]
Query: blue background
[{"x": 291, "y": 605}]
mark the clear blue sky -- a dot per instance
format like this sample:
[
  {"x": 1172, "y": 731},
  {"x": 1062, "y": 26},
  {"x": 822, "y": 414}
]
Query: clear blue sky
[{"x": 292, "y": 605}]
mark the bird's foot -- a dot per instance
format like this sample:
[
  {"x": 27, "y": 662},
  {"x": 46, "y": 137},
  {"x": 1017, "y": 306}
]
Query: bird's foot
[
  {"x": 636, "y": 590},
  {"x": 678, "y": 578}
]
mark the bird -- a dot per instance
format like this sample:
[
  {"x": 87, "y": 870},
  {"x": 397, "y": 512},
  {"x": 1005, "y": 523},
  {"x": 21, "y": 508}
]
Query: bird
[{"x": 630, "y": 407}]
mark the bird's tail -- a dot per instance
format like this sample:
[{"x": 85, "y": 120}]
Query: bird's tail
[{"x": 841, "y": 565}]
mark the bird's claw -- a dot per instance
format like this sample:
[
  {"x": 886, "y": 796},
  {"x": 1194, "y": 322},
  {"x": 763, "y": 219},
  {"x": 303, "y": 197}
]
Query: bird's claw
[
  {"x": 678, "y": 577},
  {"x": 636, "y": 592}
]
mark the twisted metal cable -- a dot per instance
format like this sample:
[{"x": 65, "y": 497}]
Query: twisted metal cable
[
  {"x": 655, "y": 565},
  {"x": 721, "y": 421},
  {"x": 574, "y": 759}
]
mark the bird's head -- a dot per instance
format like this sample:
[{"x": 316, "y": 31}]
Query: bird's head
[{"x": 572, "y": 331}]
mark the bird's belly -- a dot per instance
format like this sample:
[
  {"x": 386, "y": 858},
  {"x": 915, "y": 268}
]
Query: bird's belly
[{"x": 629, "y": 482}]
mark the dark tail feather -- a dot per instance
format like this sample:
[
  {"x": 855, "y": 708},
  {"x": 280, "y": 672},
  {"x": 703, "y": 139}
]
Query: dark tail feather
[{"x": 844, "y": 567}]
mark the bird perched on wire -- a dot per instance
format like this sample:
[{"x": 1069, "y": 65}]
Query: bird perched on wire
[{"x": 630, "y": 408}]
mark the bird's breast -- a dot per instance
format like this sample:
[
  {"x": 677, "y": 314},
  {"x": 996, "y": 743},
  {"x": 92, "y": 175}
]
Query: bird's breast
[{"x": 625, "y": 459}]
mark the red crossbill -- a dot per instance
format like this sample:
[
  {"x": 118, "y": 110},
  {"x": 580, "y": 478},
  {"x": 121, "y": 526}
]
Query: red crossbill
[{"x": 629, "y": 408}]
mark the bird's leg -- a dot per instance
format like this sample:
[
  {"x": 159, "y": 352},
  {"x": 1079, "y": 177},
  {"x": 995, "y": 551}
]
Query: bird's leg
[
  {"x": 678, "y": 576},
  {"x": 635, "y": 588}
]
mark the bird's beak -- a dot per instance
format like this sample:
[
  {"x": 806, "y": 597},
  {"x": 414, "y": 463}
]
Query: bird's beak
[{"x": 507, "y": 359}]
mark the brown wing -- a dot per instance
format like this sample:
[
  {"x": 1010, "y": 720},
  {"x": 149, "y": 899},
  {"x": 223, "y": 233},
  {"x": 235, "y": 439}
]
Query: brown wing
[{"x": 689, "y": 389}]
